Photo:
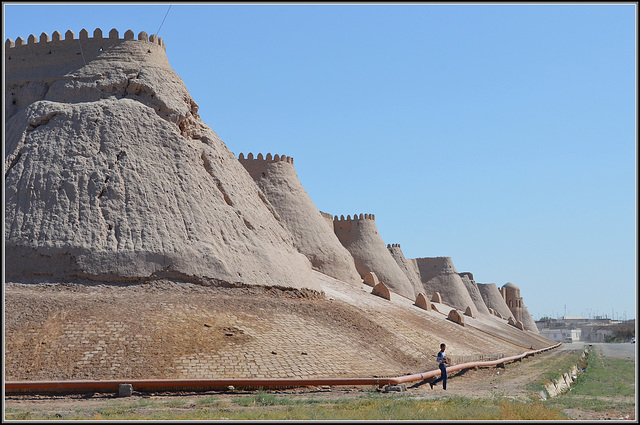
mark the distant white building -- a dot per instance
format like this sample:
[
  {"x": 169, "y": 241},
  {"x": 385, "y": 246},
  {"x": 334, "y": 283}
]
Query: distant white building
[
  {"x": 577, "y": 328},
  {"x": 573, "y": 318},
  {"x": 562, "y": 334}
]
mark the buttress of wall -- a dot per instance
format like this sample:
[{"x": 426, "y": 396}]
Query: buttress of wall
[
  {"x": 528, "y": 321},
  {"x": 410, "y": 268},
  {"x": 328, "y": 218},
  {"x": 472, "y": 288},
  {"x": 277, "y": 179},
  {"x": 493, "y": 299},
  {"x": 360, "y": 236}
]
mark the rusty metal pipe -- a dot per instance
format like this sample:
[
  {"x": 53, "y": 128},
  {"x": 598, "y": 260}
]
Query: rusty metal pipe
[{"x": 148, "y": 385}]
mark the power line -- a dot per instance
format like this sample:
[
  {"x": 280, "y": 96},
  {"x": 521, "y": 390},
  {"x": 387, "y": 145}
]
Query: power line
[
  {"x": 165, "y": 17},
  {"x": 83, "y": 60}
]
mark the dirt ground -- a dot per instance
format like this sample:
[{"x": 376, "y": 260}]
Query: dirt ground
[{"x": 510, "y": 381}]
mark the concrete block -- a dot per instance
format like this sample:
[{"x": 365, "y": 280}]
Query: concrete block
[
  {"x": 125, "y": 390},
  {"x": 398, "y": 388}
]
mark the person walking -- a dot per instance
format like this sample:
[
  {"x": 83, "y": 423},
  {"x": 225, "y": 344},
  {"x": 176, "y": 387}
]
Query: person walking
[{"x": 442, "y": 364}]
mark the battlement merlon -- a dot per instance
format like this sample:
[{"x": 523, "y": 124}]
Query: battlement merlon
[
  {"x": 356, "y": 217},
  {"x": 269, "y": 158},
  {"x": 83, "y": 35}
]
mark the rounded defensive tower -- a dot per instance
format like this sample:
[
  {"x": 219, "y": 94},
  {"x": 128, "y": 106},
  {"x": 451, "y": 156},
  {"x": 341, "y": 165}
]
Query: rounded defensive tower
[
  {"x": 493, "y": 299},
  {"x": 511, "y": 295},
  {"x": 474, "y": 292},
  {"x": 110, "y": 175},
  {"x": 360, "y": 236},
  {"x": 276, "y": 176},
  {"x": 408, "y": 266},
  {"x": 438, "y": 274}
]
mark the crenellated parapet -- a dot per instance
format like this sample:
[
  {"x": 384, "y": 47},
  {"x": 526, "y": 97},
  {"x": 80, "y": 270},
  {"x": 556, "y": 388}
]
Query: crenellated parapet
[
  {"x": 45, "y": 59},
  {"x": 69, "y": 37},
  {"x": 356, "y": 217},
  {"x": 267, "y": 159}
]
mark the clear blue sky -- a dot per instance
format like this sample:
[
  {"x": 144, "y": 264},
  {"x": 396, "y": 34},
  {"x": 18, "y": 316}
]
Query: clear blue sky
[{"x": 503, "y": 136}]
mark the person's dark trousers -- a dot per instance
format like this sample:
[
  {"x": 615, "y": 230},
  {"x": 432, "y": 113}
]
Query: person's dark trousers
[{"x": 443, "y": 376}]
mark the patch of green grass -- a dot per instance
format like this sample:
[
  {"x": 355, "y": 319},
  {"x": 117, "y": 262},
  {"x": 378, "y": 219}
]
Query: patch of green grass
[
  {"x": 261, "y": 398},
  {"x": 401, "y": 407},
  {"x": 593, "y": 404},
  {"x": 266, "y": 406},
  {"x": 533, "y": 410},
  {"x": 114, "y": 412},
  {"x": 607, "y": 377},
  {"x": 143, "y": 402},
  {"x": 11, "y": 413},
  {"x": 208, "y": 401},
  {"x": 176, "y": 402},
  {"x": 562, "y": 364},
  {"x": 264, "y": 398},
  {"x": 607, "y": 384},
  {"x": 554, "y": 367}
]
